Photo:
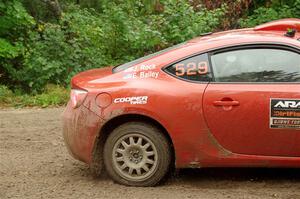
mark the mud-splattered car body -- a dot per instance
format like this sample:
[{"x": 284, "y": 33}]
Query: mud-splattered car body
[{"x": 208, "y": 123}]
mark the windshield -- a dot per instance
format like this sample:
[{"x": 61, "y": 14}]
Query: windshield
[{"x": 139, "y": 60}]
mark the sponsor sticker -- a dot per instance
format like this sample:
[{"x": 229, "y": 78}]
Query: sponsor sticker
[
  {"x": 132, "y": 100},
  {"x": 285, "y": 113}
]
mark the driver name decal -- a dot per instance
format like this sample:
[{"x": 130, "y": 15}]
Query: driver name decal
[
  {"x": 141, "y": 72},
  {"x": 285, "y": 113}
]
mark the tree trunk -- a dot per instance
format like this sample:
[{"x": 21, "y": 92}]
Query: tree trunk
[{"x": 54, "y": 7}]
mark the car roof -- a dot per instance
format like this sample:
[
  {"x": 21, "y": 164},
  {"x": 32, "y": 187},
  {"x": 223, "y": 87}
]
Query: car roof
[
  {"x": 241, "y": 35},
  {"x": 273, "y": 31}
]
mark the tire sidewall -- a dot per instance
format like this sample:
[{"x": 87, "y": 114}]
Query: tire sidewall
[{"x": 153, "y": 134}]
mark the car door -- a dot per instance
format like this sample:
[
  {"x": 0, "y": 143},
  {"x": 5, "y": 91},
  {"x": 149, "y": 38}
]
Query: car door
[{"x": 253, "y": 105}]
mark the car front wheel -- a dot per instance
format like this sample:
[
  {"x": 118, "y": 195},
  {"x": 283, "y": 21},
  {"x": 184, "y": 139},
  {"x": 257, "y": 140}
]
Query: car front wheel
[{"x": 137, "y": 154}]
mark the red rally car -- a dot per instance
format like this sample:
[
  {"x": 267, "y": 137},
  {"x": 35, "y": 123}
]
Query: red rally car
[{"x": 228, "y": 99}]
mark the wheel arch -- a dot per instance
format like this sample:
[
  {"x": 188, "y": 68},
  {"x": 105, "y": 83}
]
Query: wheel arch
[{"x": 110, "y": 125}]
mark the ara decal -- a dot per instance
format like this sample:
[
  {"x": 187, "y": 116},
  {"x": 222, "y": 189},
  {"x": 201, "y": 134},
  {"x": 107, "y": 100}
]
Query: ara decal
[{"x": 285, "y": 113}]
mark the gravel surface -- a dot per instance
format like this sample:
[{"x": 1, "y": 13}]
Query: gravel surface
[{"x": 34, "y": 163}]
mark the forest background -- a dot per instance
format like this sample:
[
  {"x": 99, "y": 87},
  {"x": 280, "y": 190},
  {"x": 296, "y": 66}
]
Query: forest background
[{"x": 43, "y": 43}]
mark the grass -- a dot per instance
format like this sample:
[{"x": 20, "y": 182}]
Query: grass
[{"x": 53, "y": 96}]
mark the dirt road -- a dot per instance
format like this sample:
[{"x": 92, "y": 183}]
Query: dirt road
[{"x": 34, "y": 163}]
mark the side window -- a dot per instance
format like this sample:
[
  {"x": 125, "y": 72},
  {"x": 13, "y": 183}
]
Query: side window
[
  {"x": 256, "y": 65},
  {"x": 195, "y": 68}
]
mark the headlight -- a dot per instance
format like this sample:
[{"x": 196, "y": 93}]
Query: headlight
[{"x": 77, "y": 97}]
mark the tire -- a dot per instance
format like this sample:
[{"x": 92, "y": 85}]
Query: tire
[{"x": 137, "y": 154}]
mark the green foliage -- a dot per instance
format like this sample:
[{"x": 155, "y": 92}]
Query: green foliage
[
  {"x": 180, "y": 22},
  {"x": 7, "y": 50},
  {"x": 126, "y": 36},
  {"x": 52, "y": 96},
  {"x": 14, "y": 18},
  {"x": 60, "y": 51},
  {"x": 6, "y": 95},
  {"x": 14, "y": 22},
  {"x": 277, "y": 10}
]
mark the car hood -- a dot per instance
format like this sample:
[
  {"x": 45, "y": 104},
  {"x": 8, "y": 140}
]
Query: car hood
[{"x": 94, "y": 74}]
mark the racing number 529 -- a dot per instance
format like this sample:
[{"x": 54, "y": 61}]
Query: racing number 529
[{"x": 191, "y": 68}]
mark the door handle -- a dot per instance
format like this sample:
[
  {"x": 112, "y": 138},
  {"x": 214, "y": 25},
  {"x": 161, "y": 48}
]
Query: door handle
[{"x": 226, "y": 103}]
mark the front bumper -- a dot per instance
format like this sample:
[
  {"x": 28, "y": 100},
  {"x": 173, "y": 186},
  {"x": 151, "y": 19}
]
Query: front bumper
[{"x": 80, "y": 129}]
